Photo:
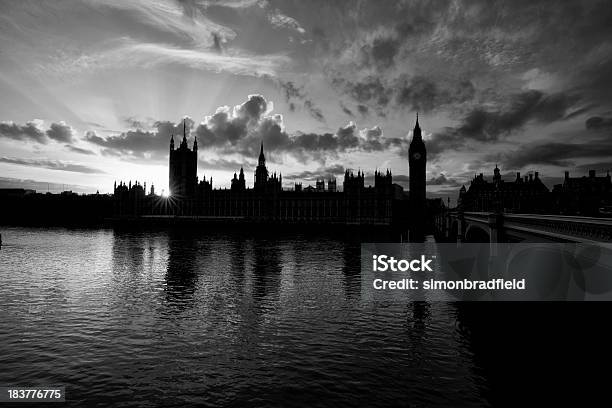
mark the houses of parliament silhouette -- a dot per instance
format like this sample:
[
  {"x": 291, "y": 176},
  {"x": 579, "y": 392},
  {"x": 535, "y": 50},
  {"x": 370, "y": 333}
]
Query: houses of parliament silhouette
[{"x": 383, "y": 204}]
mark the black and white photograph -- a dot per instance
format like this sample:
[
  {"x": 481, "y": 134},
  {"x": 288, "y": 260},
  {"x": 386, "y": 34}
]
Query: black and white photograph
[{"x": 314, "y": 203}]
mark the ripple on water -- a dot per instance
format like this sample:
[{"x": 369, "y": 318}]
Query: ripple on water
[{"x": 181, "y": 318}]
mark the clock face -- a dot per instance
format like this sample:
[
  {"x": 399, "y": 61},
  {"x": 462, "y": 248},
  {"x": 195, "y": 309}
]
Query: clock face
[{"x": 416, "y": 156}]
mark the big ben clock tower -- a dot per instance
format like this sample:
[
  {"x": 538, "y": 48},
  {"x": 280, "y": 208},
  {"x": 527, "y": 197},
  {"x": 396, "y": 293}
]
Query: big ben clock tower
[{"x": 417, "y": 159}]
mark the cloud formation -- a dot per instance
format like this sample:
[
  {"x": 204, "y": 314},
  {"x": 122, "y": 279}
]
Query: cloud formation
[
  {"x": 491, "y": 124},
  {"x": 80, "y": 150},
  {"x": 52, "y": 165},
  {"x": 555, "y": 154},
  {"x": 60, "y": 132},
  {"x": 240, "y": 130},
  {"x": 442, "y": 180},
  {"x": 139, "y": 143},
  {"x": 31, "y": 131},
  {"x": 597, "y": 122},
  {"x": 294, "y": 95},
  {"x": 127, "y": 52},
  {"x": 34, "y": 131},
  {"x": 499, "y": 81},
  {"x": 323, "y": 172}
]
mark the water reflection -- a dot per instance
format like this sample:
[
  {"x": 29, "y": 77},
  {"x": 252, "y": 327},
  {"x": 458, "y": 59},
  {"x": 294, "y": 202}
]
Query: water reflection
[
  {"x": 418, "y": 315},
  {"x": 351, "y": 269},
  {"x": 266, "y": 272},
  {"x": 238, "y": 247},
  {"x": 221, "y": 319},
  {"x": 128, "y": 252},
  {"x": 184, "y": 250}
]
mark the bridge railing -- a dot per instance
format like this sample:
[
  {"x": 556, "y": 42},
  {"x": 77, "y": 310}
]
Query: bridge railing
[
  {"x": 584, "y": 228},
  {"x": 559, "y": 227}
]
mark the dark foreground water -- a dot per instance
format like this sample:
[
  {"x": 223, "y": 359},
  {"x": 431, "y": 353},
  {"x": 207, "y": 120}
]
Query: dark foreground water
[{"x": 179, "y": 318}]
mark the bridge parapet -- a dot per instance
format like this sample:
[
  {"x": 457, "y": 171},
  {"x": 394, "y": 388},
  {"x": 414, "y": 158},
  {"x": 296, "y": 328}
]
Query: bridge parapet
[
  {"x": 564, "y": 227},
  {"x": 504, "y": 227}
]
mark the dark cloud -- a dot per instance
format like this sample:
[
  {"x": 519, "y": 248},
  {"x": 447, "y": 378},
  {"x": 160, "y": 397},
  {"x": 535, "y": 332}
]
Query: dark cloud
[
  {"x": 52, "y": 165},
  {"x": 232, "y": 131},
  {"x": 370, "y": 90},
  {"x": 442, "y": 180},
  {"x": 325, "y": 172},
  {"x": 293, "y": 93},
  {"x": 132, "y": 142},
  {"x": 597, "y": 122},
  {"x": 346, "y": 110},
  {"x": 553, "y": 153},
  {"x": 79, "y": 150},
  {"x": 29, "y": 131},
  {"x": 228, "y": 127},
  {"x": 491, "y": 124},
  {"x": 314, "y": 111},
  {"x": 419, "y": 93},
  {"x": 240, "y": 130},
  {"x": 446, "y": 140},
  {"x": 290, "y": 90},
  {"x": 135, "y": 123},
  {"x": 93, "y": 137},
  {"x": 468, "y": 52},
  {"x": 140, "y": 143},
  {"x": 60, "y": 132},
  {"x": 33, "y": 131},
  {"x": 483, "y": 125},
  {"x": 381, "y": 51}
]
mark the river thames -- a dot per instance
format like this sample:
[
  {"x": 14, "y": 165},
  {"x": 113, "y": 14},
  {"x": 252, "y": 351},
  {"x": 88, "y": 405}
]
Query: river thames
[{"x": 180, "y": 318}]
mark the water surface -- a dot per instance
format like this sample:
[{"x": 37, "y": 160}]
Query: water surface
[{"x": 174, "y": 318}]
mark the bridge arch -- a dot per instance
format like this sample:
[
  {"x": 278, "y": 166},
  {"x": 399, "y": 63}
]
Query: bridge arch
[{"x": 476, "y": 233}]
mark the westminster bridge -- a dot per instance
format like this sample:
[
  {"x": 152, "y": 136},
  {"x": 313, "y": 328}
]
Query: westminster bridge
[{"x": 458, "y": 226}]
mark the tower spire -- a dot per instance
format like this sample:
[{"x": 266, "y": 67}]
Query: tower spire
[
  {"x": 416, "y": 133},
  {"x": 262, "y": 157}
]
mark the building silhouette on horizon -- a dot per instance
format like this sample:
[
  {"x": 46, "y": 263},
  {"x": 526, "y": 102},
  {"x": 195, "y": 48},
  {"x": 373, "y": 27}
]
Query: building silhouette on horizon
[
  {"x": 587, "y": 195},
  {"x": 522, "y": 195},
  {"x": 385, "y": 203}
]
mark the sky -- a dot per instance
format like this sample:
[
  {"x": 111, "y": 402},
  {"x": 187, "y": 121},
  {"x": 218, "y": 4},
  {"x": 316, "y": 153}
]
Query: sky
[{"x": 91, "y": 91}]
